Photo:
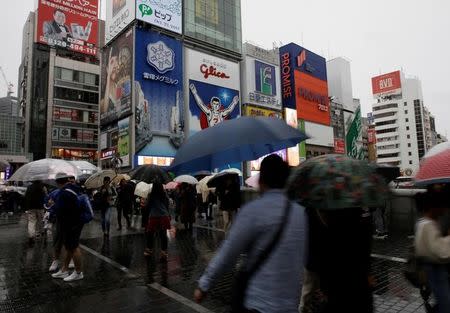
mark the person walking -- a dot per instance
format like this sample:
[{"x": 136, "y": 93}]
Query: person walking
[
  {"x": 34, "y": 204},
  {"x": 188, "y": 205},
  {"x": 107, "y": 200},
  {"x": 125, "y": 202},
  {"x": 433, "y": 248},
  {"x": 230, "y": 199},
  {"x": 68, "y": 214},
  {"x": 159, "y": 219},
  {"x": 271, "y": 231}
]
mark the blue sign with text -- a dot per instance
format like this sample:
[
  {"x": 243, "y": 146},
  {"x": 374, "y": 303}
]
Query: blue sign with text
[{"x": 158, "y": 94}]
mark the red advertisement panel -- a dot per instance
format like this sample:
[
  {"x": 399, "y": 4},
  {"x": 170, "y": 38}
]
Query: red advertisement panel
[
  {"x": 371, "y": 136},
  {"x": 70, "y": 24},
  {"x": 386, "y": 84},
  {"x": 339, "y": 146},
  {"x": 312, "y": 98}
]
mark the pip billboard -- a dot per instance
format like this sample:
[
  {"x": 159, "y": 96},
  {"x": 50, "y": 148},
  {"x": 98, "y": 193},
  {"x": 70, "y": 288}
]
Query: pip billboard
[
  {"x": 163, "y": 13},
  {"x": 159, "y": 94},
  {"x": 117, "y": 69},
  {"x": 213, "y": 90},
  {"x": 387, "y": 84},
  {"x": 68, "y": 24},
  {"x": 119, "y": 14}
]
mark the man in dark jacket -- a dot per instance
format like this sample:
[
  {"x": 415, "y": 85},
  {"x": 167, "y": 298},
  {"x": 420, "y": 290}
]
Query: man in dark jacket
[
  {"x": 125, "y": 203},
  {"x": 68, "y": 213},
  {"x": 230, "y": 199},
  {"x": 34, "y": 204}
]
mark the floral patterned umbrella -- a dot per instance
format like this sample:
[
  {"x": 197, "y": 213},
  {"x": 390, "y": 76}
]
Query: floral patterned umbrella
[{"x": 333, "y": 181}]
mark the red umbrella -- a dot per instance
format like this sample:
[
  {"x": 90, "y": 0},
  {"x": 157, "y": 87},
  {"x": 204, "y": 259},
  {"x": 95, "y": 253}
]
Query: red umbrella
[{"x": 434, "y": 169}]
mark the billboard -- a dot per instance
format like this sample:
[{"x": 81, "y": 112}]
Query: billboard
[
  {"x": 312, "y": 101},
  {"x": 294, "y": 58},
  {"x": 339, "y": 146},
  {"x": 262, "y": 84},
  {"x": 293, "y": 153},
  {"x": 166, "y": 14},
  {"x": 213, "y": 90},
  {"x": 123, "y": 142},
  {"x": 371, "y": 136},
  {"x": 117, "y": 69},
  {"x": 387, "y": 84},
  {"x": 119, "y": 14},
  {"x": 354, "y": 134},
  {"x": 158, "y": 94},
  {"x": 250, "y": 110},
  {"x": 69, "y": 24}
]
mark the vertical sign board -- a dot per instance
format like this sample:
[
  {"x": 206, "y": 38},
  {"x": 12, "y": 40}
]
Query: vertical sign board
[
  {"x": 353, "y": 135},
  {"x": 68, "y": 24},
  {"x": 159, "y": 94},
  {"x": 123, "y": 142},
  {"x": 119, "y": 14},
  {"x": 116, "y": 82},
  {"x": 293, "y": 153},
  {"x": 213, "y": 90},
  {"x": 166, "y": 14}
]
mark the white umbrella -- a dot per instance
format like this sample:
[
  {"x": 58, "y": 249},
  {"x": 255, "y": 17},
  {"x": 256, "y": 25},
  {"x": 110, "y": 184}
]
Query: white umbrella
[
  {"x": 253, "y": 181},
  {"x": 202, "y": 187},
  {"x": 96, "y": 180},
  {"x": 45, "y": 169},
  {"x": 232, "y": 171},
  {"x": 85, "y": 167},
  {"x": 188, "y": 179},
  {"x": 437, "y": 149}
]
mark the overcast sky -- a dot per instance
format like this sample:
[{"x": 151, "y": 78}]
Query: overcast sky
[{"x": 376, "y": 36}]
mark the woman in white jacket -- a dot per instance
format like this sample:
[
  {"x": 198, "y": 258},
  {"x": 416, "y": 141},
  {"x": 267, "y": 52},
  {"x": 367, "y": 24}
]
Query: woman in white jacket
[{"x": 432, "y": 246}]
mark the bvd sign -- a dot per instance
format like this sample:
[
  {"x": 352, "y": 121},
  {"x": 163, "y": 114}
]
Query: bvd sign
[{"x": 387, "y": 84}]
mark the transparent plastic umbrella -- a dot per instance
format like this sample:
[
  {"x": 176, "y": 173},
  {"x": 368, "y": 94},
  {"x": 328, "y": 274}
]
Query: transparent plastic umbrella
[{"x": 44, "y": 170}]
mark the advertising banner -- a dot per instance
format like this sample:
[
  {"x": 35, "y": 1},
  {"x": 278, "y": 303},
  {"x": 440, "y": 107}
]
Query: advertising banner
[
  {"x": 207, "y": 11},
  {"x": 159, "y": 94},
  {"x": 117, "y": 69},
  {"x": 312, "y": 99},
  {"x": 255, "y": 111},
  {"x": 213, "y": 90},
  {"x": 302, "y": 145},
  {"x": 294, "y": 58},
  {"x": 123, "y": 143},
  {"x": 339, "y": 146},
  {"x": 387, "y": 84},
  {"x": 354, "y": 149},
  {"x": 166, "y": 14},
  {"x": 119, "y": 14},
  {"x": 262, "y": 84},
  {"x": 69, "y": 24},
  {"x": 371, "y": 136}
]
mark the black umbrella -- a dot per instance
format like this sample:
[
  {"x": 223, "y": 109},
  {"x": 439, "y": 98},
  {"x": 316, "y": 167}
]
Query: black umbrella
[
  {"x": 149, "y": 174},
  {"x": 220, "y": 179}
]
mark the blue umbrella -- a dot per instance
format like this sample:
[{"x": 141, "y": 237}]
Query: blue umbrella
[{"x": 237, "y": 140}]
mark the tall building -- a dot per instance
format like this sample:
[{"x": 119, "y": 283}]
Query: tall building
[
  {"x": 399, "y": 121},
  {"x": 175, "y": 68},
  {"x": 346, "y": 111},
  {"x": 59, "y": 80}
]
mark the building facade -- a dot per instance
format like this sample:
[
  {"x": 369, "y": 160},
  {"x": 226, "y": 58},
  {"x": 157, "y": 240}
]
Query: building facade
[
  {"x": 59, "y": 82},
  {"x": 399, "y": 121}
]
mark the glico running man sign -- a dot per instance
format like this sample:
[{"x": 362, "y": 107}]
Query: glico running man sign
[{"x": 70, "y": 24}]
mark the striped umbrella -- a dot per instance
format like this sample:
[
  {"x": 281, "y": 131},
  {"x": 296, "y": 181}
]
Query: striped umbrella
[{"x": 434, "y": 169}]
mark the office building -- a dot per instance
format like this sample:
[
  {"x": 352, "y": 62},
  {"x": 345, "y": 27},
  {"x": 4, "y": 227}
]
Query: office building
[{"x": 59, "y": 82}]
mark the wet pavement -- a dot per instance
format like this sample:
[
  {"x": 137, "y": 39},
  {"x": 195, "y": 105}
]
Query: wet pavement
[{"x": 118, "y": 278}]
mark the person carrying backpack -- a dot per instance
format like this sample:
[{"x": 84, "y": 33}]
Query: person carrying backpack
[{"x": 70, "y": 213}]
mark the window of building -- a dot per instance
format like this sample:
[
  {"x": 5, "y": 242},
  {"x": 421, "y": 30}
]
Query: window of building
[
  {"x": 410, "y": 162},
  {"x": 407, "y": 127},
  {"x": 66, "y": 74},
  {"x": 406, "y": 120},
  {"x": 410, "y": 153},
  {"x": 408, "y": 136},
  {"x": 405, "y": 103},
  {"x": 406, "y": 111},
  {"x": 409, "y": 145}
]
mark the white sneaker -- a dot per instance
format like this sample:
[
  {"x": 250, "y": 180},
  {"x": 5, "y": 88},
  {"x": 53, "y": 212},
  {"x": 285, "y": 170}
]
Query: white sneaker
[
  {"x": 71, "y": 264},
  {"x": 54, "y": 266},
  {"x": 61, "y": 274},
  {"x": 74, "y": 276}
]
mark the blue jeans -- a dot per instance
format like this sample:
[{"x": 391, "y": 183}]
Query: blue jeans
[
  {"x": 438, "y": 279},
  {"x": 106, "y": 219}
]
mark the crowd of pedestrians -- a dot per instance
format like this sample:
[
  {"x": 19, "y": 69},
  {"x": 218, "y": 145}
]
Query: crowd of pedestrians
[{"x": 299, "y": 258}]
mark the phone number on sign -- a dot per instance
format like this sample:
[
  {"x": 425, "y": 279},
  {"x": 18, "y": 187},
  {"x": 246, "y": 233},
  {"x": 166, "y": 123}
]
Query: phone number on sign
[{"x": 71, "y": 46}]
